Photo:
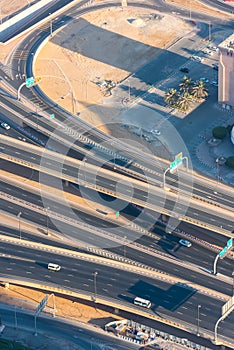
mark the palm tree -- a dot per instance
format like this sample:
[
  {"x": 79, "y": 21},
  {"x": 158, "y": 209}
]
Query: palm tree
[
  {"x": 171, "y": 96},
  {"x": 198, "y": 90},
  {"x": 186, "y": 83},
  {"x": 185, "y": 101}
]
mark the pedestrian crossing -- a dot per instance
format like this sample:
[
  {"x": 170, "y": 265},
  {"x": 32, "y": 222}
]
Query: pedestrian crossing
[{"x": 20, "y": 54}]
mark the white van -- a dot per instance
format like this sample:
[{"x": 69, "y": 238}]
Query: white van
[
  {"x": 54, "y": 267},
  {"x": 142, "y": 302}
]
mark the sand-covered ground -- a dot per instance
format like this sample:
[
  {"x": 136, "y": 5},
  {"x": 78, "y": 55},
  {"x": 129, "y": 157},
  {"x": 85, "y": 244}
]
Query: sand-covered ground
[{"x": 109, "y": 44}]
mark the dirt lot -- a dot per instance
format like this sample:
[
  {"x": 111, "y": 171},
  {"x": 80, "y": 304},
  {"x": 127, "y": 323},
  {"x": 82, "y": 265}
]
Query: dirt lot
[
  {"x": 29, "y": 299},
  {"x": 106, "y": 45}
]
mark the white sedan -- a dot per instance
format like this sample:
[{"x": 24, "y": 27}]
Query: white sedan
[
  {"x": 5, "y": 126},
  {"x": 185, "y": 243},
  {"x": 156, "y": 132}
]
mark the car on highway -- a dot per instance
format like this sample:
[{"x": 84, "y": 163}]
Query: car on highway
[
  {"x": 54, "y": 267},
  {"x": 5, "y": 126},
  {"x": 156, "y": 132},
  {"x": 184, "y": 69},
  {"x": 185, "y": 243}
]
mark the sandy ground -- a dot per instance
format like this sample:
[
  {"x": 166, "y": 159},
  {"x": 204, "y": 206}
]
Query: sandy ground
[
  {"x": 106, "y": 45},
  {"x": 29, "y": 299}
]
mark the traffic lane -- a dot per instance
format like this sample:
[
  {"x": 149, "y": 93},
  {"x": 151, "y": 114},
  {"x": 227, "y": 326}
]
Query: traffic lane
[
  {"x": 60, "y": 218},
  {"x": 196, "y": 254},
  {"x": 173, "y": 300},
  {"x": 85, "y": 337},
  {"x": 37, "y": 16},
  {"x": 174, "y": 268}
]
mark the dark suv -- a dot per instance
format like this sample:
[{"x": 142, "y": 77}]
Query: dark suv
[{"x": 184, "y": 70}]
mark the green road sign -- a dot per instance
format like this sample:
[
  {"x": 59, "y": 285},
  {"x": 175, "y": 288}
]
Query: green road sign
[
  {"x": 117, "y": 214},
  {"x": 51, "y": 116},
  {"x": 29, "y": 81},
  {"x": 223, "y": 252},
  {"x": 230, "y": 243},
  {"x": 177, "y": 162}
]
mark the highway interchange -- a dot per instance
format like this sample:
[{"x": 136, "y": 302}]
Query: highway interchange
[{"x": 170, "y": 300}]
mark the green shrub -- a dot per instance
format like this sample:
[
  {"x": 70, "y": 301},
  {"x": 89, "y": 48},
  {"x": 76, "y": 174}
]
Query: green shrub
[
  {"x": 219, "y": 132},
  {"x": 230, "y": 162},
  {"x": 229, "y": 128}
]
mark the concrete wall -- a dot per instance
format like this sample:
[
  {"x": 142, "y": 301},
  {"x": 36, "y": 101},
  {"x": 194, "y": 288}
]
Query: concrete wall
[{"x": 27, "y": 12}]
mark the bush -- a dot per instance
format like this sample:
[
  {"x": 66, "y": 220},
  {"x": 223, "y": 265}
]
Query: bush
[
  {"x": 229, "y": 128},
  {"x": 219, "y": 132},
  {"x": 230, "y": 162}
]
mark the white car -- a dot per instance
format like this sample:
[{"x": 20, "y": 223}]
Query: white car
[
  {"x": 54, "y": 267},
  {"x": 207, "y": 52},
  {"x": 197, "y": 58},
  {"x": 212, "y": 47},
  {"x": 156, "y": 132},
  {"x": 214, "y": 83},
  {"x": 204, "y": 79},
  {"x": 185, "y": 243},
  {"x": 5, "y": 126}
]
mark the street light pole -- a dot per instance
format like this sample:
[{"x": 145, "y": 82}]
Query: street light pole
[
  {"x": 47, "y": 221},
  {"x": 51, "y": 26},
  {"x": 95, "y": 284},
  {"x": 198, "y": 319},
  {"x": 19, "y": 217},
  {"x": 124, "y": 246},
  {"x": 209, "y": 31}
]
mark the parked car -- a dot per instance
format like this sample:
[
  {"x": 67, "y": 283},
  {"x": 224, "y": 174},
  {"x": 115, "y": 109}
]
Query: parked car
[
  {"x": 204, "y": 79},
  {"x": 215, "y": 66},
  {"x": 184, "y": 70},
  {"x": 207, "y": 52},
  {"x": 212, "y": 47},
  {"x": 185, "y": 243},
  {"x": 5, "y": 126},
  {"x": 197, "y": 58},
  {"x": 214, "y": 83},
  {"x": 156, "y": 132}
]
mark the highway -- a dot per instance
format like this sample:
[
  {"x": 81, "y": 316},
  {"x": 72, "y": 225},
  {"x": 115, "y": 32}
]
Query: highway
[
  {"x": 129, "y": 190},
  {"x": 171, "y": 300}
]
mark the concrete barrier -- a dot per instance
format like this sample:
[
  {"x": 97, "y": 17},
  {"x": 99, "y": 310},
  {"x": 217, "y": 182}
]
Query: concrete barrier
[{"x": 23, "y": 14}]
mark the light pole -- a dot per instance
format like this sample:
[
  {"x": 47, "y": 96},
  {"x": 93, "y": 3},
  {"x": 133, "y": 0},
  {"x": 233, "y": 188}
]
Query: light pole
[
  {"x": 95, "y": 284},
  {"x": 47, "y": 221},
  {"x": 209, "y": 31},
  {"x": 51, "y": 26},
  {"x": 198, "y": 319},
  {"x": 190, "y": 11},
  {"x": 217, "y": 168},
  {"x": 19, "y": 217},
  {"x": 124, "y": 246},
  {"x": 16, "y": 325}
]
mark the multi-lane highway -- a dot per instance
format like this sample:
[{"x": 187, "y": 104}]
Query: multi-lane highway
[{"x": 176, "y": 300}]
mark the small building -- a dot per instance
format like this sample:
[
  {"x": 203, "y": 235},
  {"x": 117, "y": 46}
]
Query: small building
[{"x": 226, "y": 73}]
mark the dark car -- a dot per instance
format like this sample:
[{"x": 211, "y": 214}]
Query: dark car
[
  {"x": 184, "y": 70},
  {"x": 215, "y": 66}
]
